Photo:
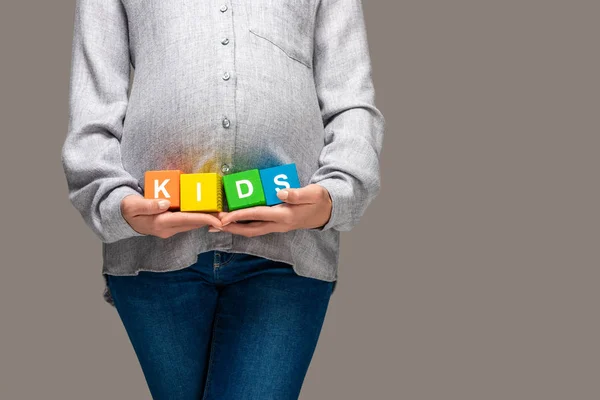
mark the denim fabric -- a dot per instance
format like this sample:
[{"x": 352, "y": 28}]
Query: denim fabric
[
  {"x": 229, "y": 327},
  {"x": 220, "y": 86}
]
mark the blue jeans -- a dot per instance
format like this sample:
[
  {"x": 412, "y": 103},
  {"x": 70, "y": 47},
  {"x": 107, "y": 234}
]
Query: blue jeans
[{"x": 230, "y": 326}]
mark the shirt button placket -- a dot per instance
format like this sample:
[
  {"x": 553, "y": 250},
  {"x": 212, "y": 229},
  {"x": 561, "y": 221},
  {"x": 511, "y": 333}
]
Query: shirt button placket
[
  {"x": 228, "y": 94},
  {"x": 226, "y": 89}
]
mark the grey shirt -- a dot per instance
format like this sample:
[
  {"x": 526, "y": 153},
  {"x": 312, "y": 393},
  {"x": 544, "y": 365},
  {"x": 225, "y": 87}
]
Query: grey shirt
[{"x": 220, "y": 86}]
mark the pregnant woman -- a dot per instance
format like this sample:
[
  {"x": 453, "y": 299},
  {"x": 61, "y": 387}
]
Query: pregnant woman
[{"x": 216, "y": 308}]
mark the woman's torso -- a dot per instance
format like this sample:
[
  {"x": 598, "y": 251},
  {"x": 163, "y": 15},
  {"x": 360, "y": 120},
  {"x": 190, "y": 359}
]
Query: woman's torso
[{"x": 182, "y": 50}]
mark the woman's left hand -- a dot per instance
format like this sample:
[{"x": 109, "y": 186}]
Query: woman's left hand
[{"x": 303, "y": 208}]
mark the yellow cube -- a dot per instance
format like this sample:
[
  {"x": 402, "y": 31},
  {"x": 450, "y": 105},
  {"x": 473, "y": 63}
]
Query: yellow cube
[{"x": 201, "y": 192}]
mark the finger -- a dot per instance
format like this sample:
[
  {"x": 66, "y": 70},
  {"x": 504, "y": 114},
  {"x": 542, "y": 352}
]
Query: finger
[
  {"x": 222, "y": 215},
  {"x": 257, "y": 213},
  {"x": 309, "y": 194},
  {"x": 254, "y": 228},
  {"x": 138, "y": 205},
  {"x": 178, "y": 218},
  {"x": 194, "y": 226}
]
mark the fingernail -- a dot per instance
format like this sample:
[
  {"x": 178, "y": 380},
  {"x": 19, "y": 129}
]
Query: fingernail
[
  {"x": 213, "y": 229},
  {"x": 163, "y": 203},
  {"x": 226, "y": 224},
  {"x": 282, "y": 194}
]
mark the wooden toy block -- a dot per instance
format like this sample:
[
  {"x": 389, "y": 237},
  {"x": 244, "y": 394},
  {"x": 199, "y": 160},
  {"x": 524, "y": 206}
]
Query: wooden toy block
[
  {"x": 163, "y": 185},
  {"x": 244, "y": 189},
  {"x": 201, "y": 192},
  {"x": 276, "y": 178}
]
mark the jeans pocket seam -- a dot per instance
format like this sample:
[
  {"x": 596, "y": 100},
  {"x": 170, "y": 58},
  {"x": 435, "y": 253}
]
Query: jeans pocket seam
[{"x": 233, "y": 256}]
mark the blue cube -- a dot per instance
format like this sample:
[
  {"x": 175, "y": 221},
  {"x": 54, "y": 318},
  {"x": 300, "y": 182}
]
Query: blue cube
[{"x": 277, "y": 178}]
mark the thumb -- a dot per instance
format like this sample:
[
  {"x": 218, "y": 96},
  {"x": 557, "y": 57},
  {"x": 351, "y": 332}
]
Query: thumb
[
  {"x": 142, "y": 206},
  {"x": 297, "y": 195}
]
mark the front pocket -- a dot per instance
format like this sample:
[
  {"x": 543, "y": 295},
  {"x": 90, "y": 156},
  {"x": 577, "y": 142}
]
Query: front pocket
[{"x": 286, "y": 24}]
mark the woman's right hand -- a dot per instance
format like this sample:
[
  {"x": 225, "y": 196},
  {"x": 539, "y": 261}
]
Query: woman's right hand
[{"x": 147, "y": 217}]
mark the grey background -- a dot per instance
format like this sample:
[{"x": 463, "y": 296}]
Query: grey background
[{"x": 474, "y": 274}]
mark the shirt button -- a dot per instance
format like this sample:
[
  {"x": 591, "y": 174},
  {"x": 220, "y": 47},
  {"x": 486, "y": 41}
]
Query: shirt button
[
  {"x": 225, "y": 123},
  {"x": 223, "y": 8},
  {"x": 225, "y": 168},
  {"x": 226, "y": 76},
  {"x": 225, "y": 41}
]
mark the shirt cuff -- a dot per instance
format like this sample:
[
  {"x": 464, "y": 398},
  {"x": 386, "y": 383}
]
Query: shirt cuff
[
  {"x": 341, "y": 200},
  {"x": 115, "y": 226}
]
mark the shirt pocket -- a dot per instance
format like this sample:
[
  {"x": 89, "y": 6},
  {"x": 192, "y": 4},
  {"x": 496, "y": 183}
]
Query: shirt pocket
[{"x": 286, "y": 24}]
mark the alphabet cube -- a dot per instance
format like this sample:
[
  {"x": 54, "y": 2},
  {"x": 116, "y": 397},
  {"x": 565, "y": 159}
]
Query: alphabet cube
[
  {"x": 163, "y": 185},
  {"x": 201, "y": 192},
  {"x": 276, "y": 178},
  {"x": 244, "y": 189}
]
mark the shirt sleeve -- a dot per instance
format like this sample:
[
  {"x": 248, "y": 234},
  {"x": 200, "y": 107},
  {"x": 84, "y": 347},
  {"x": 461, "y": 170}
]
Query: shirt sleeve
[
  {"x": 349, "y": 162},
  {"x": 91, "y": 153}
]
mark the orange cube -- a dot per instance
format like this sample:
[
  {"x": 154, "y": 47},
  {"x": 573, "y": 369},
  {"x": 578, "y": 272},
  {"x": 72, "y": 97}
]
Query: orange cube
[{"x": 163, "y": 185}]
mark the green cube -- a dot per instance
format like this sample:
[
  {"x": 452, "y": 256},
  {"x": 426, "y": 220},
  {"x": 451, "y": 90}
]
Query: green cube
[{"x": 244, "y": 189}]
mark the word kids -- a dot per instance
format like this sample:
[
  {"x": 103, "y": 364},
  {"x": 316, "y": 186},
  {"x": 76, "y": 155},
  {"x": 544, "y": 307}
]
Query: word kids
[{"x": 203, "y": 191}]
